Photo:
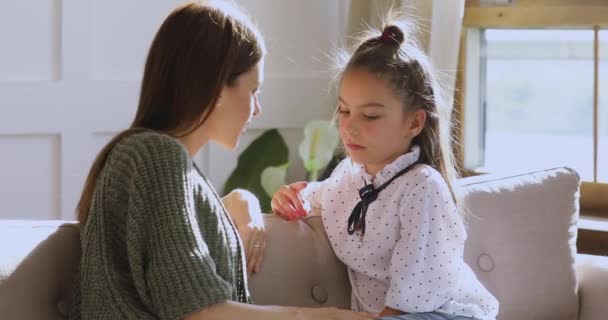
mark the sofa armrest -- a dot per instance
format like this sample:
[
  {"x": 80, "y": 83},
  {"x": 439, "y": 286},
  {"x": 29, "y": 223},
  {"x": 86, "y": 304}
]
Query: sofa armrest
[
  {"x": 299, "y": 267},
  {"x": 592, "y": 272}
]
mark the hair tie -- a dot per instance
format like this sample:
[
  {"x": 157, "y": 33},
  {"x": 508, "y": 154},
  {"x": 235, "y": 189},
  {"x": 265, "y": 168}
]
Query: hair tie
[{"x": 388, "y": 36}]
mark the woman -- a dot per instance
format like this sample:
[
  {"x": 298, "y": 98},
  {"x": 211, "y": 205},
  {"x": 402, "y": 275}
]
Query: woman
[{"x": 156, "y": 239}]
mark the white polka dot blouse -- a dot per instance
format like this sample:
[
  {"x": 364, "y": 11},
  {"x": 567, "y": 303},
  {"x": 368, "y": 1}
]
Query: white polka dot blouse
[{"x": 411, "y": 255}]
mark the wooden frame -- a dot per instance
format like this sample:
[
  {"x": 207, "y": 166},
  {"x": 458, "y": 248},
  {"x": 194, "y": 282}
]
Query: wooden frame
[
  {"x": 537, "y": 14},
  {"x": 584, "y": 14}
]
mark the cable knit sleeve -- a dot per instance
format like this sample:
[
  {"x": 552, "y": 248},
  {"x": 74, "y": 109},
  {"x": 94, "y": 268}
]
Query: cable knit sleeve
[{"x": 170, "y": 261}]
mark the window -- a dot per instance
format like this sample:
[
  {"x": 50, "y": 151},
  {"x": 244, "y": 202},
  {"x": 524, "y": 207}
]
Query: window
[
  {"x": 533, "y": 87},
  {"x": 537, "y": 100},
  {"x": 603, "y": 106}
]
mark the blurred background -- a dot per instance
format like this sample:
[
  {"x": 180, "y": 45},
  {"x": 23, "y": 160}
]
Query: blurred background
[
  {"x": 528, "y": 79},
  {"x": 70, "y": 73}
]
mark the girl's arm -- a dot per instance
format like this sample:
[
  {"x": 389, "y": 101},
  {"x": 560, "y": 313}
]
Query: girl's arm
[{"x": 426, "y": 261}]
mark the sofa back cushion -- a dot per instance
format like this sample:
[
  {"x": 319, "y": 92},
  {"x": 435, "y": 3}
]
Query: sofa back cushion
[
  {"x": 300, "y": 268},
  {"x": 522, "y": 241},
  {"x": 521, "y": 244}
]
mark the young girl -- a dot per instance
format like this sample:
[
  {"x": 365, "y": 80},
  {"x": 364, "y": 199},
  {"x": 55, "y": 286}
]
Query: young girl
[
  {"x": 157, "y": 241},
  {"x": 388, "y": 208}
]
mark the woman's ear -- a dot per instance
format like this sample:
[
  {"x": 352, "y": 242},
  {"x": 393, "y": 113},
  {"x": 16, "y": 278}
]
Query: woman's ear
[{"x": 416, "y": 123}]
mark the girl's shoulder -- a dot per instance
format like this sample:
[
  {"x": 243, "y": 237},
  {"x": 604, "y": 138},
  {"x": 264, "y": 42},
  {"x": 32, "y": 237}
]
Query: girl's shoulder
[
  {"x": 343, "y": 169},
  {"x": 425, "y": 175}
]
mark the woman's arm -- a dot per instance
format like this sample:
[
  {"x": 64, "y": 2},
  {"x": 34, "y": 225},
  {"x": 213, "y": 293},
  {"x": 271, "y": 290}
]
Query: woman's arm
[
  {"x": 236, "y": 310},
  {"x": 391, "y": 312}
]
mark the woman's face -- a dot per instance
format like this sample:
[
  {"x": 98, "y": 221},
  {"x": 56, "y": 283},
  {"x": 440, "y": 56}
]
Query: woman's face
[{"x": 237, "y": 105}]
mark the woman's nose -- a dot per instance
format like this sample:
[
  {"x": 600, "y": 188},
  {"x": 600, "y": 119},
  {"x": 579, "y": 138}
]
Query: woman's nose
[{"x": 257, "y": 109}]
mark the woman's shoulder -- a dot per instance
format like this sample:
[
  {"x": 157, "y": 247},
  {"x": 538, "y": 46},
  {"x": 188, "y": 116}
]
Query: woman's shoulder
[
  {"x": 150, "y": 141},
  {"x": 148, "y": 148},
  {"x": 150, "y": 144}
]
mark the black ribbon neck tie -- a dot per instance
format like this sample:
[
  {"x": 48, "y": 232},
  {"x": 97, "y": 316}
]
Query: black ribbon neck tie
[{"x": 369, "y": 194}]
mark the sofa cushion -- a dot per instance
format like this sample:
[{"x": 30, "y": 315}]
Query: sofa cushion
[
  {"x": 522, "y": 241},
  {"x": 37, "y": 263}
]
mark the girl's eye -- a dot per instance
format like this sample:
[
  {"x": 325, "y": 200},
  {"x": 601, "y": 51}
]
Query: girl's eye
[
  {"x": 343, "y": 111},
  {"x": 371, "y": 117}
]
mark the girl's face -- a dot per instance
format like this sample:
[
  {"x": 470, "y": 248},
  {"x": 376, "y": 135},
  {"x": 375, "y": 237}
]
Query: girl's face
[
  {"x": 237, "y": 105},
  {"x": 374, "y": 127}
]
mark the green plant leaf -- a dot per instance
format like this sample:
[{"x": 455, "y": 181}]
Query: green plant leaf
[
  {"x": 273, "y": 178},
  {"x": 268, "y": 150}
]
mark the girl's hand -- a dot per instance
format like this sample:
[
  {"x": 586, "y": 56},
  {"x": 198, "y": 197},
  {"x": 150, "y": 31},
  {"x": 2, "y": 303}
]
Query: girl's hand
[
  {"x": 287, "y": 203},
  {"x": 335, "y": 314}
]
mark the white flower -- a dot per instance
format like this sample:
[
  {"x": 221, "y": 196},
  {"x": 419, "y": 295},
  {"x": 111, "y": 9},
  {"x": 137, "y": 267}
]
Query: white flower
[{"x": 320, "y": 141}]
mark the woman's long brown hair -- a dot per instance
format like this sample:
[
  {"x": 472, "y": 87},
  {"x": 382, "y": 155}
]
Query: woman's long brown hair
[{"x": 199, "y": 49}]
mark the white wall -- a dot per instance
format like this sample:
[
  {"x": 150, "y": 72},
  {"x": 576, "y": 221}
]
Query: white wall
[{"x": 69, "y": 80}]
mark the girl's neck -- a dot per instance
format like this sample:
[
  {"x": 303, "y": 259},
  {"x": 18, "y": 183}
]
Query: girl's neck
[{"x": 374, "y": 168}]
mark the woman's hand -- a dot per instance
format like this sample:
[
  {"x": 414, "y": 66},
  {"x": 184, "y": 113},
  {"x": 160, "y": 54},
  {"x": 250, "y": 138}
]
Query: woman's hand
[
  {"x": 244, "y": 209},
  {"x": 287, "y": 203}
]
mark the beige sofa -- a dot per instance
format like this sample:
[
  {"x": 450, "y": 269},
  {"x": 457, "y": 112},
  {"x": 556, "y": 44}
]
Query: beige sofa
[{"x": 522, "y": 236}]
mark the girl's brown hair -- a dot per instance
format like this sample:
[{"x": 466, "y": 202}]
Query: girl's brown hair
[
  {"x": 397, "y": 58},
  {"x": 199, "y": 49}
]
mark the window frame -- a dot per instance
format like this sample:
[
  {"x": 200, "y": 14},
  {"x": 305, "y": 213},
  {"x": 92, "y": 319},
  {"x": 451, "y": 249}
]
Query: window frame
[{"x": 581, "y": 14}]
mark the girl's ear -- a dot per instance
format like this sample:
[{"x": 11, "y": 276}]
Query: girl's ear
[{"x": 416, "y": 123}]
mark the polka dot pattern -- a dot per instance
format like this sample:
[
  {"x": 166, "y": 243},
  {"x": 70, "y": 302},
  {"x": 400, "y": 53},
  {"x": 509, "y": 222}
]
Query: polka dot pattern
[{"x": 411, "y": 257}]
